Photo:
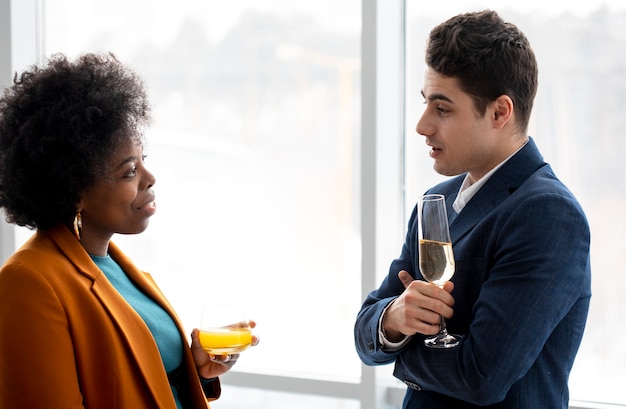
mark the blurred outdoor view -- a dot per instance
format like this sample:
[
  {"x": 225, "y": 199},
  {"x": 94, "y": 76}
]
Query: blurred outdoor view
[{"x": 255, "y": 146}]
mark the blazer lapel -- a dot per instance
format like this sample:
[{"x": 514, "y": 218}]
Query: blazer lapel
[
  {"x": 475, "y": 210},
  {"x": 139, "y": 339},
  {"x": 132, "y": 329},
  {"x": 501, "y": 185}
]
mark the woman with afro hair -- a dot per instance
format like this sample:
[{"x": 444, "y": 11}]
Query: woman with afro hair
[{"x": 80, "y": 325}]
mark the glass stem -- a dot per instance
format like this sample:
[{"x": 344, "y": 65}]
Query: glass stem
[{"x": 442, "y": 325}]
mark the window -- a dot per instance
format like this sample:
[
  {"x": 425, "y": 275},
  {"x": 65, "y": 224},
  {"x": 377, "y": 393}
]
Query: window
[
  {"x": 254, "y": 145},
  {"x": 576, "y": 123}
]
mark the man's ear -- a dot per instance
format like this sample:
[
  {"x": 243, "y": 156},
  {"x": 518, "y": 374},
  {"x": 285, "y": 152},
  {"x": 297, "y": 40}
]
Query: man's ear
[{"x": 503, "y": 111}]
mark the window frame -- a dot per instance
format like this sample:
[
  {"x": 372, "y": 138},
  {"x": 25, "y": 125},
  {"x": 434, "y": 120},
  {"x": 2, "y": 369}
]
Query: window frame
[{"x": 19, "y": 47}]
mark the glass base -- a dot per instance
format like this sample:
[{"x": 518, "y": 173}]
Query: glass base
[{"x": 443, "y": 340}]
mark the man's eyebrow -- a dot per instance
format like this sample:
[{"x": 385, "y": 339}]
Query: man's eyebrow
[{"x": 437, "y": 97}]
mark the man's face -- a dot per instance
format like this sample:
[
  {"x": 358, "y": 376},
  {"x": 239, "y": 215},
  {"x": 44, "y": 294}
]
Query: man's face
[{"x": 460, "y": 138}]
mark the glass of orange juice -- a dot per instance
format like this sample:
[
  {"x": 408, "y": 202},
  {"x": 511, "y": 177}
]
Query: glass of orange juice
[{"x": 224, "y": 329}]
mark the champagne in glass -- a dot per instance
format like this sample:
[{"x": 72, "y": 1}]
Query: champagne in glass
[{"x": 436, "y": 259}]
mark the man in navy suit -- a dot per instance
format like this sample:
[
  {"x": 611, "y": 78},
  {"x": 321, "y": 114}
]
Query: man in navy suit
[{"x": 521, "y": 290}]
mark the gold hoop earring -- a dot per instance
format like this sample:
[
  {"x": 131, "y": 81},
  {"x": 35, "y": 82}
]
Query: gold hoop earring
[{"x": 78, "y": 225}]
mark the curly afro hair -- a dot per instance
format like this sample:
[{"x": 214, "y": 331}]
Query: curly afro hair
[{"x": 59, "y": 125}]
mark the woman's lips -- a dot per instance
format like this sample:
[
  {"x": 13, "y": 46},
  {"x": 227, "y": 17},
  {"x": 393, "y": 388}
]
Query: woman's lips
[{"x": 149, "y": 207}]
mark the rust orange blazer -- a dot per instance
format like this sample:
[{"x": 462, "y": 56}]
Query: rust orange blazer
[{"x": 69, "y": 340}]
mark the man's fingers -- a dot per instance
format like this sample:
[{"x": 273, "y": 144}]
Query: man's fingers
[
  {"x": 448, "y": 286},
  {"x": 405, "y": 277}
]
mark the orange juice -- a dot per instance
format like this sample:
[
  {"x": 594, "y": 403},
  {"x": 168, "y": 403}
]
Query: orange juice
[{"x": 225, "y": 340}]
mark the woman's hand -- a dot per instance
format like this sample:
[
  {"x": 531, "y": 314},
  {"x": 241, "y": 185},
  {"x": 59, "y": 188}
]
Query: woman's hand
[{"x": 209, "y": 365}]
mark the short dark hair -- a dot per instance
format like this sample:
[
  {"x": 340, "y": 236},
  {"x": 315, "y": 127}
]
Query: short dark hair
[
  {"x": 490, "y": 57},
  {"x": 59, "y": 125}
]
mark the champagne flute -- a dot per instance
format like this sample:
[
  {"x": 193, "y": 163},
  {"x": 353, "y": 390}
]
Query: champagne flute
[
  {"x": 436, "y": 260},
  {"x": 224, "y": 329}
]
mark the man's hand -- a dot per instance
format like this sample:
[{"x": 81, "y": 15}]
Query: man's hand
[{"x": 418, "y": 308}]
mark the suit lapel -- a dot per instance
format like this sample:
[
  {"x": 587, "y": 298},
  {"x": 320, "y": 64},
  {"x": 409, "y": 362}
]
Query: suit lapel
[
  {"x": 475, "y": 210},
  {"x": 501, "y": 185}
]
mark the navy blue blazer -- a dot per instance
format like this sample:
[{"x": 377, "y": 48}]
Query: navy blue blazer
[{"x": 522, "y": 291}]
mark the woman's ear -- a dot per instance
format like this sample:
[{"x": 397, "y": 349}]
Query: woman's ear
[
  {"x": 503, "y": 111},
  {"x": 80, "y": 206}
]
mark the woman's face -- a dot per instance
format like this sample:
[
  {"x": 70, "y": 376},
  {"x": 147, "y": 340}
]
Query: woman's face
[{"x": 121, "y": 201}]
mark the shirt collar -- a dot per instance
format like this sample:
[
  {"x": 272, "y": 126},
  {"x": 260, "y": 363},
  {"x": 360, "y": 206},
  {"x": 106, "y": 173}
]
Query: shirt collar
[{"x": 469, "y": 189}]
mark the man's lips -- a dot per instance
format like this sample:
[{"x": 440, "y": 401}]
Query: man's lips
[
  {"x": 432, "y": 146},
  {"x": 434, "y": 151}
]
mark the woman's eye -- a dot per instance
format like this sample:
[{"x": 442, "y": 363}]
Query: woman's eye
[{"x": 132, "y": 172}]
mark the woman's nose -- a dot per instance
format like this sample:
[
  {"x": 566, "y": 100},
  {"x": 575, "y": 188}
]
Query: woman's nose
[{"x": 150, "y": 179}]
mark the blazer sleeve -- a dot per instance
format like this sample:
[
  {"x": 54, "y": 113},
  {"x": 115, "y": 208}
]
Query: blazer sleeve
[
  {"x": 26, "y": 328},
  {"x": 367, "y": 343}
]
